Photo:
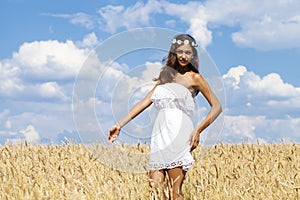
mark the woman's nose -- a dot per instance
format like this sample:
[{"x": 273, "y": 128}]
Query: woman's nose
[{"x": 183, "y": 55}]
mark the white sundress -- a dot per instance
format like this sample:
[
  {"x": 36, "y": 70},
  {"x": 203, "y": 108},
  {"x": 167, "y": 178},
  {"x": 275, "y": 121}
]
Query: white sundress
[{"x": 170, "y": 146}]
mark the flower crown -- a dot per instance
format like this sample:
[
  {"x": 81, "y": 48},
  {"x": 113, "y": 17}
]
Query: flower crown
[{"x": 186, "y": 42}]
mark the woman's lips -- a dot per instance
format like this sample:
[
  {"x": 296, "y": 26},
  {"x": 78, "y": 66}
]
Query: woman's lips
[{"x": 184, "y": 61}]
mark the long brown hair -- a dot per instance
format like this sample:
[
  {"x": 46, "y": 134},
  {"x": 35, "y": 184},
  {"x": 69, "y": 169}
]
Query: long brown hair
[{"x": 171, "y": 65}]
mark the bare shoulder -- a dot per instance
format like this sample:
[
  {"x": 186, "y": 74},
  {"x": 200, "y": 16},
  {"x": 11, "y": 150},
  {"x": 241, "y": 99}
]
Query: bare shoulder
[
  {"x": 196, "y": 76},
  {"x": 197, "y": 80}
]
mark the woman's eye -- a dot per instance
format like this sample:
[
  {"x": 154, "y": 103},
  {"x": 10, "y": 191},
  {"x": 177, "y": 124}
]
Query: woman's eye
[{"x": 180, "y": 52}]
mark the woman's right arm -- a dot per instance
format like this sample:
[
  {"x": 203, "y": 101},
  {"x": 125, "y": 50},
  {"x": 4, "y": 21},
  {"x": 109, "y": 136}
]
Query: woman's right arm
[{"x": 114, "y": 131}]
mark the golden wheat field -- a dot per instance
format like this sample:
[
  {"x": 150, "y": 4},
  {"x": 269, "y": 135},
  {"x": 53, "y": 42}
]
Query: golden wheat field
[{"x": 71, "y": 171}]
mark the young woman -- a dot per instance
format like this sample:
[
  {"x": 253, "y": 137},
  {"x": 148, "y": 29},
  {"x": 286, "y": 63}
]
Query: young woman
[{"x": 174, "y": 136}]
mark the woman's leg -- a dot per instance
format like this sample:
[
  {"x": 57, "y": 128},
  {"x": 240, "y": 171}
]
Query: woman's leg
[
  {"x": 157, "y": 179},
  {"x": 176, "y": 177}
]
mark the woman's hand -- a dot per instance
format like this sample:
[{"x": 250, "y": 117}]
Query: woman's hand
[
  {"x": 194, "y": 140},
  {"x": 113, "y": 133}
]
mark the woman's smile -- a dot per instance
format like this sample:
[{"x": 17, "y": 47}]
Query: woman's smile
[{"x": 183, "y": 61}]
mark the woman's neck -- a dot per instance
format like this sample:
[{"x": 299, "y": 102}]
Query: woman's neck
[{"x": 183, "y": 70}]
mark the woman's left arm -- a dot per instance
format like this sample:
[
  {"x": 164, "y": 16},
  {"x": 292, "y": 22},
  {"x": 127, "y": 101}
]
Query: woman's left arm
[{"x": 201, "y": 84}]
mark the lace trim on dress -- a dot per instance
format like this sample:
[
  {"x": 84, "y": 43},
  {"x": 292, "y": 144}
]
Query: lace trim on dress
[
  {"x": 186, "y": 164},
  {"x": 174, "y": 104}
]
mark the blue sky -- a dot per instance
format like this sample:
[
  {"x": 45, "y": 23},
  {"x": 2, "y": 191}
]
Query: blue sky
[{"x": 44, "y": 45}]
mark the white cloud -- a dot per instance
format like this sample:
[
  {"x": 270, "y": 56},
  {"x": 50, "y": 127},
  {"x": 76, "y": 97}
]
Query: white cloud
[
  {"x": 3, "y": 119},
  {"x": 83, "y": 20},
  {"x": 249, "y": 94},
  {"x": 110, "y": 18},
  {"x": 4, "y": 114},
  {"x": 49, "y": 58},
  {"x": 171, "y": 23},
  {"x": 80, "y": 18},
  {"x": 269, "y": 32},
  {"x": 260, "y": 107},
  {"x": 30, "y": 134},
  {"x": 48, "y": 119},
  {"x": 239, "y": 127},
  {"x": 151, "y": 71},
  {"x": 8, "y": 124},
  {"x": 51, "y": 90},
  {"x": 261, "y": 25},
  {"x": 234, "y": 74},
  {"x": 89, "y": 40},
  {"x": 132, "y": 17},
  {"x": 43, "y": 69},
  {"x": 37, "y": 85},
  {"x": 193, "y": 13},
  {"x": 9, "y": 78},
  {"x": 140, "y": 14},
  {"x": 269, "y": 86},
  {"x": 273, "y": 86},
  {"x": 264, "y": 25},
  {"x": 85, "y": 120},
  {"x": 141, "y": 86},
  {"x": 253, "y": 128}
]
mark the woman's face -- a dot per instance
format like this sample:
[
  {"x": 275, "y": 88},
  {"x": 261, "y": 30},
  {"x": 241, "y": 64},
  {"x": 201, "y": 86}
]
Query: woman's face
[{"x": 184, "y": 54}]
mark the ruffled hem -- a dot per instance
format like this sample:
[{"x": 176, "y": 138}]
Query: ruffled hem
[{"x": 184, "y": 164}]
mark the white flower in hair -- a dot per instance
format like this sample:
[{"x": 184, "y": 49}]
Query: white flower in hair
[{"x": 186, "y": 42}]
